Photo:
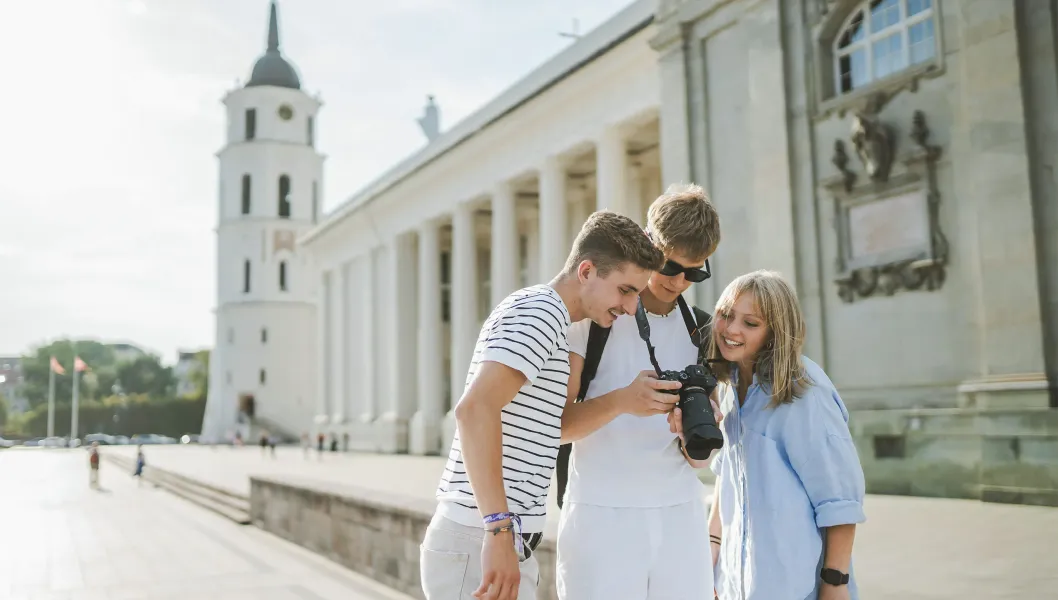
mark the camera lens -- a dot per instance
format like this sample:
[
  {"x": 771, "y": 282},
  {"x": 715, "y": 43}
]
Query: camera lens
[{"x": 699, "y": 426}]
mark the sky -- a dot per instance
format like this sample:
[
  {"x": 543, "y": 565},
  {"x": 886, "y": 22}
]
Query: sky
[{"x": 112, "y": 116}]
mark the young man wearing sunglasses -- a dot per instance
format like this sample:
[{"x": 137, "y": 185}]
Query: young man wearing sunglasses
[{"x": 633, "y": 523}]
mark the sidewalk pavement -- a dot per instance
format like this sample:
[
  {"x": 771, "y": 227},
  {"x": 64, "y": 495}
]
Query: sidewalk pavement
[
  {"x": 909, "y": 549},
  {"x": 62, "y": 540}
]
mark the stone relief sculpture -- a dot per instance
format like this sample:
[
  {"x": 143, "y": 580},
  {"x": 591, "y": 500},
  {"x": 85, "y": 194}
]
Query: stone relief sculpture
[
  {"x": 920, "y": 265},
  {"x": 841, "y": 161},
  {"x": 873, "y": 143}
]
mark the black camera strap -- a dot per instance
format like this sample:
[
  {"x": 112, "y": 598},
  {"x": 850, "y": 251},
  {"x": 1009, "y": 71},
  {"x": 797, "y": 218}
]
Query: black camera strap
[
  {"x": 695, "y": 328},
  {"x": 644, "y": 332}
]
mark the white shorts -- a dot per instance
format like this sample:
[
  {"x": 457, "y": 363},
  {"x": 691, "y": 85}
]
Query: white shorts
[
  {"x": 450, "y": 563},
  {"x": 607, "y": 553}
]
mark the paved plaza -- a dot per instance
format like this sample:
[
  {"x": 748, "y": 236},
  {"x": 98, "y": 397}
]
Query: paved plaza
[
  {"x": 910, "y": 548},
  {"x": 64, "y": 541}
]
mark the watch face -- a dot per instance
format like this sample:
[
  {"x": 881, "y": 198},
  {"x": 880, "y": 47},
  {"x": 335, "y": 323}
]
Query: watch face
[{"x": 285, "y": 112}]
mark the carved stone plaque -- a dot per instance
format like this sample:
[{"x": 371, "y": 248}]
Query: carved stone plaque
[
  {"x": 888, "y": 228},
  {"x": 895, "y": 227}
]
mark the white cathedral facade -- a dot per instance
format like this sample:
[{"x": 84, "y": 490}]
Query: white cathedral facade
[
  {"x": 271, "y": 179},
  {"x": 361, "y": 326}
]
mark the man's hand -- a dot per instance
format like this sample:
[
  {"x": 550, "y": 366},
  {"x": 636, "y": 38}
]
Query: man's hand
[
  {"x": 645, "y": 396},
  {"x": 833, "y": 592},
  {"x": 499, "y": 567}
]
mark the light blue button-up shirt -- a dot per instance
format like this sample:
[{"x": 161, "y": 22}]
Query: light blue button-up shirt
[{"x": 783, "y": 474}]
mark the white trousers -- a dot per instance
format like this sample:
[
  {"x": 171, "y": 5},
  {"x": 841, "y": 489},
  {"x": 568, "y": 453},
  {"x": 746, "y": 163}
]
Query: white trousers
[
  {"x": 607, "y": 553},
  {"x": 450, "y": 563}
]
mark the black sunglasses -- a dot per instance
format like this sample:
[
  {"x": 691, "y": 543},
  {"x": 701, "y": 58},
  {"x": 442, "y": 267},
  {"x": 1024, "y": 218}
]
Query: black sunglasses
[{"x": 692, "y": 274}]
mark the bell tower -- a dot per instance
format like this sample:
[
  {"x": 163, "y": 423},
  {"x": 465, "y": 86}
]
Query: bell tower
[{"x": 271, "y": 178}]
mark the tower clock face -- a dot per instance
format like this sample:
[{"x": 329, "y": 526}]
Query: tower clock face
[{"x": 285, "y": 112}]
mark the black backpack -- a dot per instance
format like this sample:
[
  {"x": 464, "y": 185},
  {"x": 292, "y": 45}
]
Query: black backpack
[{"x": 698, "y": 328}]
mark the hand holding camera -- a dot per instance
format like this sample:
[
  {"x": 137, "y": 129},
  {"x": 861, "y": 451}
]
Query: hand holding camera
[
  {"x": 647, "y": 395},
  {"x": 676, "y": 420},
  {"x": 696, "y": 414}
]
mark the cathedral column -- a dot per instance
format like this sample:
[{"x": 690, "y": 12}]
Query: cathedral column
[
  {"x": 322, "y": 349},
  {"x": 611, "y": 173},
  {"x": 335, "y": 328},
  {"x": 504, "y": 276},
  {"x": 425, "y": 429},
  {"x": 464, "y": 306},
  {"x": 367, "y": 346},
  {"x": 400, "y": 355},
  {"x": 553, "y": 246}
]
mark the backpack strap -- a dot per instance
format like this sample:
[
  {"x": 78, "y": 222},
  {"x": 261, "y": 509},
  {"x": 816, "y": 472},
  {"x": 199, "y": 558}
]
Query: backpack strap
[{"x": 597, "y": 337}]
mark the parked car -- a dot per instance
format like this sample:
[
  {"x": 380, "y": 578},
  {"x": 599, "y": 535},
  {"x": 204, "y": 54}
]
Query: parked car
[
  {"x": 7, "y": 443},
  {"x": 102, "y": 438}
]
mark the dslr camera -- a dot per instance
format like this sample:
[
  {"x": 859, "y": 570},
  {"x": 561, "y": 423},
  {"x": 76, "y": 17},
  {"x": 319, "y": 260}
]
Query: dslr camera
[{"x": 699, "y": 426}]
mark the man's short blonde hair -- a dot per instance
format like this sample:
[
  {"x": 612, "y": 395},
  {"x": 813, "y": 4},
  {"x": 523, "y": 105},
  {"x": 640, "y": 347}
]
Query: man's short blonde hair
[{"x": 683, "y": 220}]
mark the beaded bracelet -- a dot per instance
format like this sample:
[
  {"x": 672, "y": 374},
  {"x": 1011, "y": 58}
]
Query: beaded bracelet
[{"x": 515, "y": 526}]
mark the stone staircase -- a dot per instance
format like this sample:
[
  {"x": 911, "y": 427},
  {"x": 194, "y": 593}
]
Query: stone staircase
[{"x": 225, "y": 503}]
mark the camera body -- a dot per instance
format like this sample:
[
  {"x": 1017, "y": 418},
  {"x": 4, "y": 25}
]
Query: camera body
[{"x": 700, "y": 429}]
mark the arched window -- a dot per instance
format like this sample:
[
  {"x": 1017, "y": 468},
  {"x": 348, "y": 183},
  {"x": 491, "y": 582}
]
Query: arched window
[
  {"x": 282, "y": 275},
  {"x": 880, "y": 38},
  {"x": 246, "y": 276},
  {"x": 246, "y": 194},
  {"x": 250, "y": 123},
  {"x": 284, "y": 196}
]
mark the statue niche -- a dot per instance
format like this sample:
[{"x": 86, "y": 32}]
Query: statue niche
[{"x": 874, "y": 145}]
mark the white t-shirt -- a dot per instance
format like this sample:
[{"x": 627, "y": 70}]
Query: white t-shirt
[
  {"x": 633, "y": 462},
  {"x": 527, "y": 332}
]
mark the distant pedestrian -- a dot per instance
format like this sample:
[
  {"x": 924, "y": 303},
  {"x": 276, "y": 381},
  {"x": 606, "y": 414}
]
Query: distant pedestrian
[
  {"x": 264, "y": 442},
  {"x": 93, "y": 466},
  {"x": 334, "y": 442},
  {"x": 320, "y": 439},
  {"x": 141, "y": 461},
  {"x": 272, "y": 444}
]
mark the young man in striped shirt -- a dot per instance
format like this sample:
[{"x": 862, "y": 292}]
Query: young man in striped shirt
[{"x": 492, "y": 498}]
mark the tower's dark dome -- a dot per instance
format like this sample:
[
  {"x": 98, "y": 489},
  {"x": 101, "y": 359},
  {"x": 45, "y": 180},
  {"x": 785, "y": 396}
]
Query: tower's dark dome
[{"x": 272, "y": 68}]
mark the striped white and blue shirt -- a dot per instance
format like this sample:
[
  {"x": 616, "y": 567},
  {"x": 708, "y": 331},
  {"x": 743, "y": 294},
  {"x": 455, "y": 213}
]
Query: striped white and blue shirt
[{"x": 527, "y": 332}]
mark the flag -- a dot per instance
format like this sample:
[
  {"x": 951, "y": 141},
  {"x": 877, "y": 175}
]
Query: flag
[
  {"x": 56, "y": 367},
  {"x": 78, "y": 364}
]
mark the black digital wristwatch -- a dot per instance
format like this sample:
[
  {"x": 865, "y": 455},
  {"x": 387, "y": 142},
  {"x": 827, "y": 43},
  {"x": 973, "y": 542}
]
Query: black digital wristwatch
[{"x": 834, "y": 577}]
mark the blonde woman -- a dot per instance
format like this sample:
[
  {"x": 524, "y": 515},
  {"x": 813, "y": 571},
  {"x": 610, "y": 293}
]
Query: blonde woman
[{"x": 789, "y": 486}]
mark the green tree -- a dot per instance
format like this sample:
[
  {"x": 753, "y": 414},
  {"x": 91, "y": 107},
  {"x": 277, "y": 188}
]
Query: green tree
[
  {"x": 145, "y": 375},
  {"x": 3, "y": 411}
]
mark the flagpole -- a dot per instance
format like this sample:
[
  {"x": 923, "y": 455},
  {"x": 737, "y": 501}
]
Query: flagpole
[
  {"x": 74, "y": 408},
  {"x": 51, "y": 399}
]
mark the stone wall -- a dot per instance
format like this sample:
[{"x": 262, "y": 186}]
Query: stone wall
[
  {"x": 372, "y": 533},
  {"x": 987, "y": 454}
]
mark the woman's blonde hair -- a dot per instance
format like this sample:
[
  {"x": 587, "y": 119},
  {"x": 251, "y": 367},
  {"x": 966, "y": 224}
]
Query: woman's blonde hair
[{"x": 778, "y": 363}]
